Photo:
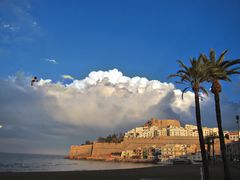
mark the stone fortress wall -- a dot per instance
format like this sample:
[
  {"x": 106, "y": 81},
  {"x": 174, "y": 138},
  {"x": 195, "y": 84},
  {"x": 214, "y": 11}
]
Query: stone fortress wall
[
  {"x": 80, "y": 151},
  {"x": 105, "y": 149}
]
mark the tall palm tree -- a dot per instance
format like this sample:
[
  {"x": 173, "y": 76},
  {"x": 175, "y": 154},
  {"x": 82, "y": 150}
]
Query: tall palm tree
[
  {"x": 220, "y": 70},
  {"x": 193, "y": 76},
  {"x": 209, "y": 140}
]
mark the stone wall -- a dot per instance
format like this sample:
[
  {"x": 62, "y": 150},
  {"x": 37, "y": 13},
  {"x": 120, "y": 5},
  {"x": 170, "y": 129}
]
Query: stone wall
[
  {"x": 77, "y": 152},
  {"x": 105, "y": 149}
]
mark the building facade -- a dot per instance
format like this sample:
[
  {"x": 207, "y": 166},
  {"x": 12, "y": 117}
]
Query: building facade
[{"x": 156, "y": 128}]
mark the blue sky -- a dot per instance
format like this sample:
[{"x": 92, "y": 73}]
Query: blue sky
[
  {"x": 143, "y": 38},
  {"x": 139, "y": 38}
]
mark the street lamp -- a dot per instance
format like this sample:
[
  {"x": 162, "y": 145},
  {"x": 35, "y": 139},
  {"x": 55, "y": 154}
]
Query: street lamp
[
  {"x": 237, "y": 121},
  {"x": 213, "y": 148}
]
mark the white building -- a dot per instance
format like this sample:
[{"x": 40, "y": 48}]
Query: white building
[
  {"x": 233, "y": 136},
  {"x": 176, "y": 131},
  {"x": 190, "y": 126},
  {"x": 155, "y": 131},
  {"x": 162, "y": 132}
]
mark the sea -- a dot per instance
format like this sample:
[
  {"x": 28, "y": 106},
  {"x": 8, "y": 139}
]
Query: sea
[{"x": 11, "y": 162}]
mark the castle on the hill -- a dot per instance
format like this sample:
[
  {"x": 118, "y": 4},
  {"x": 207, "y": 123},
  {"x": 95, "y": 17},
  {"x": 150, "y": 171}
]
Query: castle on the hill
[
  {"x": 166, "y": 137},
  {"x": 168, "y": 127}
]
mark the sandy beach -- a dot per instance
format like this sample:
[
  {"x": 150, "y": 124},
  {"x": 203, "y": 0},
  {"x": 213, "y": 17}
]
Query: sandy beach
[{"x": 176, "y": 172}]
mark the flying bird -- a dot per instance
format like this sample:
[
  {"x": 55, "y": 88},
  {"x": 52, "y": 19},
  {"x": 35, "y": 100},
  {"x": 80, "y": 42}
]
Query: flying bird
[{"x": 34, "y": 79}]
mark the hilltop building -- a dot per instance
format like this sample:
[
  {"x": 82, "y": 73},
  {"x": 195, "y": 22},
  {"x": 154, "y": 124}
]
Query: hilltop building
[
  {"x": 162, "y": 123},
  {"x": 156, "y": 127}
]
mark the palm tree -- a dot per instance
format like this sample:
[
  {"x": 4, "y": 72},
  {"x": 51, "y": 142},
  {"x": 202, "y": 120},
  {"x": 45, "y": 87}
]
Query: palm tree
[
  {"x": 193, "y": 76},
  {"x": 220, "y": 70},
  {"x": 209, "y": 140}
]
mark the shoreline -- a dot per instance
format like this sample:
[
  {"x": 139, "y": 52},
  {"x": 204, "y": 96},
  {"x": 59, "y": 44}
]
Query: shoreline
[
  {"x": 112, "y": 159},
  {"x": 174, "y": 172}
]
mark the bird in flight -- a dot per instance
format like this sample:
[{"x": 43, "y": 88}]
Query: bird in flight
[{"x": 34, "y": 79}]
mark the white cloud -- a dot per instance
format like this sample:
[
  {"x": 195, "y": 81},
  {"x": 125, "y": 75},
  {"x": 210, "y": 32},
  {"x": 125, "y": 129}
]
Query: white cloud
[
  {"x": 102, "y": 103},
  {"x": 43, "y": 82},
  {"x": 52, "y": 61},
  {"x": 9, "y": 27},
  {"x": 6, "y": 25},
  {"x": 66, "y": 76}
]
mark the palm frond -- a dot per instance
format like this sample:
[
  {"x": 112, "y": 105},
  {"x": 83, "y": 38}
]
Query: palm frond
[
  {"x": 183, "y": 72},
  {"x": 224, "y": 63},
  {"x": 184, "y": 90},
  {"x": 220, "y": 69},
  {"x": 181, "y": 82},
  {"x": 182, "y": 65},
  {"x": 193, "y": 75},
  {"x": 221, "y": 57},
  {"x": 231, "y": 63},
  {"x": 234, "y": 69},
  {"x": 204, "y": 58},
  {"x": 227, "y": 79},
  {"x": 212, "y": 56},
  {"x": 230, "y": 72},
  {"x": 185, "y": 78},
  {"x": 203, "y": 90}
]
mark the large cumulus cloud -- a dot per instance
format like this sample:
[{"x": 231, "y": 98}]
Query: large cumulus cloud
[{"x": 53, "y": 115}]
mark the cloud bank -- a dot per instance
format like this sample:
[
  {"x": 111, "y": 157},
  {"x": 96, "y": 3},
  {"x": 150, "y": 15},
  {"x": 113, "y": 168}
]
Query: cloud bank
[{"x": 53, "y": 115}]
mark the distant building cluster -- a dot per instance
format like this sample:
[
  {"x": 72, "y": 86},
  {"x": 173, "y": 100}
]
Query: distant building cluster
[
  {"x": 153, "y": 129},
  {"x": 164, "y": 153}
]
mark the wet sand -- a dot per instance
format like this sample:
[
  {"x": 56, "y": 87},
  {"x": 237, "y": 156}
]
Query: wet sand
[{"x": 176, "y": 172}]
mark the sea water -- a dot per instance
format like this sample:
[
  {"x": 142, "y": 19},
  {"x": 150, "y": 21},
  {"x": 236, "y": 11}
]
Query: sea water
[{"x": 10, "y": 162}]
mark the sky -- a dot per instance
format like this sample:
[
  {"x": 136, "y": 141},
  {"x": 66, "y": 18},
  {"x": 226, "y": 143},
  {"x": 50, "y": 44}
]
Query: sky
[{"x": 103, "y": 67}]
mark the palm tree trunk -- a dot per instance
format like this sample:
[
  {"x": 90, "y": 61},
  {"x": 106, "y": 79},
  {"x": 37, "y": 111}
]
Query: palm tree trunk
[
  {"x": 209, "y": 149},
  {"x": 227, "y": 174},
  {"x": 201, "y": 138},
  {"x": 213, "y": 150}
]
